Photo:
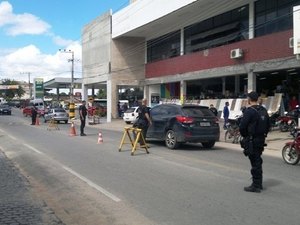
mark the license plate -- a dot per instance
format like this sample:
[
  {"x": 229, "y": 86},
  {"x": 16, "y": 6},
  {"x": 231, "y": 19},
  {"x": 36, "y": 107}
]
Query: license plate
[{"x": 204, "y": 124}]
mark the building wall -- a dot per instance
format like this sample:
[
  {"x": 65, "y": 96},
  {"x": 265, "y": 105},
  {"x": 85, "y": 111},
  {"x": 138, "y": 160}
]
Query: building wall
[
  {"x": 143, "y": 12},
  {"x": 127, "y": 65},
  {"x": 96, "y": 50},
  {"x": 273, "y": 46}
]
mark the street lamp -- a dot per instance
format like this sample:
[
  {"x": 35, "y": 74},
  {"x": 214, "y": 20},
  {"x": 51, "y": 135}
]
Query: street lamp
[{"x": 72, "y": 105}]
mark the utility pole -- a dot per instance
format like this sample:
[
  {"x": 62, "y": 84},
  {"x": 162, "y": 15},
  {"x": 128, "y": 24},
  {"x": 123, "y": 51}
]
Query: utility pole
[
  {"x": 29, "y": 85},
  {"x": 72, "y": 105}
]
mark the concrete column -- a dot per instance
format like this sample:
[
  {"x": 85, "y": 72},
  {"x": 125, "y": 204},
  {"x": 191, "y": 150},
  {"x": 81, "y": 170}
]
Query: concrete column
[
  {"x": 237, "y": 84},
  {"x": 110, "y": 103},
  {"x": 251, "y": 20},
  {"x": 147, "y": 94},
  {"x": 224, "y": 86},
  {"x": 84, "y": 92},
  {"x": 93, "y": 91},
  {"x": 182, "y": 41},
  {"x": 251, "y": 81},
  {"x": 182, "y": 91},
  {"x": 57, "y": 93}
]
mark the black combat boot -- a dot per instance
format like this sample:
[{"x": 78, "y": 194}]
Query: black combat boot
[{"x": 252, "y": 188}]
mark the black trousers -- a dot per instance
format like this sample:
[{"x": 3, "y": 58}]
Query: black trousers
[
  {"x": 144, "y": 132},
  {"x": 256, "y": 168},
  {"x": 144, "y": 129},
  {"x": 33, "y": 119},
  {"x": 82, "y": 125}
]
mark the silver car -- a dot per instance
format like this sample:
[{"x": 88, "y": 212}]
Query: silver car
[{"x": 58, "y": 114}]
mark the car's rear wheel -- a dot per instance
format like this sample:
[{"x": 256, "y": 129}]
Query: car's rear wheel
[
  {"x": 171, "y": 140},
  {"x": 209, "y": 144}
]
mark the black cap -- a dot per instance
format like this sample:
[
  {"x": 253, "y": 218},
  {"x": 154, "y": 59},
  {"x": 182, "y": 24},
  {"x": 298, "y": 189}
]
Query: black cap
[{"x": 253, "y": 96}]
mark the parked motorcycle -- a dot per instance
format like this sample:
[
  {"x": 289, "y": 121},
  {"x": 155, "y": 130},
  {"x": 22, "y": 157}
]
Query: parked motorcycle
[
  {"x": 291, "y": 150},
  {"x": 287, "y": 123},
  {"x": 274, "y": 120}
]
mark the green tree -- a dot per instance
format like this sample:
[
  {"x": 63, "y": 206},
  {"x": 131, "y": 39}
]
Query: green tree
[
  {"x": 11, "y": 93},
  {"x": 101, "y": 94}
]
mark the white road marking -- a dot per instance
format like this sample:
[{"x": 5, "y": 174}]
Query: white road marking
[
  {"x": 90, "y": 183},
  {"x": 12, "y": 137},
  {"x": 33, "y": 149}
]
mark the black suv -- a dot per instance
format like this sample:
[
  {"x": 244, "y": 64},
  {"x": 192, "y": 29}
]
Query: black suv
[{"x": 176, "y": 124}]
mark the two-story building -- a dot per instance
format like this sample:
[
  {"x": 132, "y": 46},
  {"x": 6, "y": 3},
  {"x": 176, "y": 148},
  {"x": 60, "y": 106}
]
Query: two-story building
[{"x": 193, "y": 49}]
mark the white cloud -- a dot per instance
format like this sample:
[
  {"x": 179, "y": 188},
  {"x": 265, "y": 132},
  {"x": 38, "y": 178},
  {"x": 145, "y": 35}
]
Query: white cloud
[
  {"x": 28, "y": 24},
  {"x": 22, "y": 23},
  {"x": 61, "y": 41},
  {"x": 5, "y": 13},
  {"x": 30, "y": 59},
  {"x": 16, "y": 63}
]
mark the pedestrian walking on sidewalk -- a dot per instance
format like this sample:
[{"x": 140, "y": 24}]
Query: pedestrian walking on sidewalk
[
  {"x": 213, "y": 109},
  {"x": 254, "y": 128},
  {"x": 82, "y": 114},
  {"x": 226, "y": 114}
]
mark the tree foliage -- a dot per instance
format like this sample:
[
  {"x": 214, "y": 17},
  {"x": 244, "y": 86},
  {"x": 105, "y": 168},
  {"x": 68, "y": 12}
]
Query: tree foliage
[
  {"x": 9, "y": 94},
  {"x": 101, "y": 94}
]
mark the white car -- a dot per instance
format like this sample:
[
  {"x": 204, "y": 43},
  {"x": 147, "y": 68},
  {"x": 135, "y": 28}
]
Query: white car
[{"x": 130, "y": 115}]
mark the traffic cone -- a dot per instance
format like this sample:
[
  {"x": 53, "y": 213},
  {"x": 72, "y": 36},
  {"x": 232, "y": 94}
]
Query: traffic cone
[
  {"x": 72, "y": 130},
  {"x": 37, "y": 121},
  {"x": 100, "y": 139}
]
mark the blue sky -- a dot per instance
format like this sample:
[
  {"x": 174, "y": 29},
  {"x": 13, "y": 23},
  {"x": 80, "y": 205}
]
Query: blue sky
[{"x": 32, "y": 31}]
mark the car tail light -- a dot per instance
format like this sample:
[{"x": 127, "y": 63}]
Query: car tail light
[{"x": 184, "y": 119}]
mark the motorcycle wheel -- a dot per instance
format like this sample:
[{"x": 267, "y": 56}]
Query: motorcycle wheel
[
  {"x": 283, "y": 127},
  {"x": 290, "y": 155},
  {"x": 229, "y": 138},
  {"x": 292, "y": 125}
]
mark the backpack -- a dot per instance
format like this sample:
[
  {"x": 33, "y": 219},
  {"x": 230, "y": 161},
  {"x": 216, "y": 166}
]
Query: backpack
[{"x": 262, "y": 125}]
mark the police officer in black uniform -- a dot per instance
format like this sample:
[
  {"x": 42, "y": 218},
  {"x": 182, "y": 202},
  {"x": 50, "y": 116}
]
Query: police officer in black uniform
[
  {"x": 82, "y": 115},
  {"x": 254, "y": 134},
  {"x": 143, "y": 120}
]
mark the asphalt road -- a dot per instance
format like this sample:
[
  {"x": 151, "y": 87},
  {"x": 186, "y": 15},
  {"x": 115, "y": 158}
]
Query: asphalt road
[{"x": 89, "y": 183}]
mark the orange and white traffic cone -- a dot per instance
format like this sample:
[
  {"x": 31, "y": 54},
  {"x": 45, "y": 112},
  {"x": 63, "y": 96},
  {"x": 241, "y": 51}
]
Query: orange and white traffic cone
[
  {"x": 37, "y": 121},
  {"x": 100, "y": 139},
  {"x": 72, "y": 130}
]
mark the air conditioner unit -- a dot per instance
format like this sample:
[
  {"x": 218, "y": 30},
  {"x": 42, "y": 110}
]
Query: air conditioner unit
[
  {"x": 291, "y": 42},
  {"x": 236, "y": 53}
]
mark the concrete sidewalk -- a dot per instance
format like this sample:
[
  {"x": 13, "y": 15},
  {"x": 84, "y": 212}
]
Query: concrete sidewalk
[{"x": 18, "y": 203}]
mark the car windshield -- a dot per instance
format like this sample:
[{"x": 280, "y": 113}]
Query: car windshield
[
  {"x": 130, "y": 110},
  {"x": 4, "y": 106},
  {"x": 196, "y": 111}
]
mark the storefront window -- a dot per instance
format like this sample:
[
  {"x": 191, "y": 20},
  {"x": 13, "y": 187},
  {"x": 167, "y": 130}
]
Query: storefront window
[
  {"x": 164, "y": 47},
  {"x": 273, "y": 16},
  {"x": 223, "y": 29}
]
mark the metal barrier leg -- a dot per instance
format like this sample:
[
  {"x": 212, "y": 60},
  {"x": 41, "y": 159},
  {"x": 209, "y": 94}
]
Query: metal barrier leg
[{"x": 137, "y": 135}]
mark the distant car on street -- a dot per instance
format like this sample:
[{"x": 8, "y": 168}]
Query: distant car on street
[
  {"x": 5, "y": 109},
  {"x": 178, "y": 124},
  {"x": 27, "y": 111},
  {"x": 58, "y": 114},
  {"x": 130, "y": 115}
]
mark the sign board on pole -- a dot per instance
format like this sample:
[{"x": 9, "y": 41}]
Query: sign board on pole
[
  {"x": 39, "y": 88},
  {"x": 8, "y": 87}
]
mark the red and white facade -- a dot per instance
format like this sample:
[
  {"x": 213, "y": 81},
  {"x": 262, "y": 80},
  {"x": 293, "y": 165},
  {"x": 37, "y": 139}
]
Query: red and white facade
[{"x": 213, "y": 49}]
